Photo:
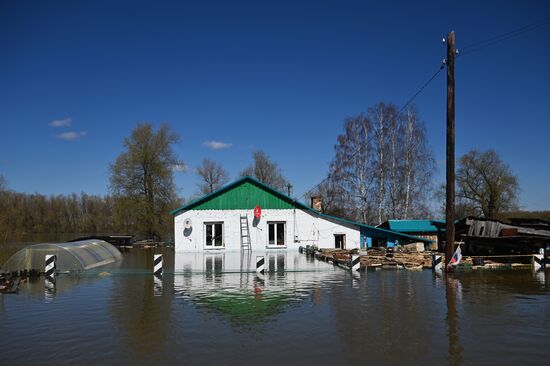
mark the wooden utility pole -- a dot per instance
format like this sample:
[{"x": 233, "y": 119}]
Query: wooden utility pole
[{"x": 450, "y": 204}]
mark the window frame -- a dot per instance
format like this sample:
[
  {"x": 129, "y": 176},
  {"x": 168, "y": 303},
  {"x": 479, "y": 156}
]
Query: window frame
[
  {"x": 213, "y": 245},
  {"x": 275, "y": 232}
]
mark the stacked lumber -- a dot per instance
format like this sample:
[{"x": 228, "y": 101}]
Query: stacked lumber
[{"x": 378, "y": 258}]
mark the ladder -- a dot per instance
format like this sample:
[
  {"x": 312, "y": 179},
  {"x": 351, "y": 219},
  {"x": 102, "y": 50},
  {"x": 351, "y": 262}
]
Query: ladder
[{"x": 245, "y": 233}]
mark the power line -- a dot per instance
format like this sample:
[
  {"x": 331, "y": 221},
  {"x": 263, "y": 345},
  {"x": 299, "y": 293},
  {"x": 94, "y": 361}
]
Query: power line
[
  {"x": 409, "y": 101},
  {"x": 479, "y": 45}
]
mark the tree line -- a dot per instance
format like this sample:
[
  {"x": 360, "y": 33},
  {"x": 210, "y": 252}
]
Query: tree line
[{"x": 383, "y": 168}]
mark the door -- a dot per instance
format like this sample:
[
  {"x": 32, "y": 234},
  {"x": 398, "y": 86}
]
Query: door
[{"x": 340, "y": 241}]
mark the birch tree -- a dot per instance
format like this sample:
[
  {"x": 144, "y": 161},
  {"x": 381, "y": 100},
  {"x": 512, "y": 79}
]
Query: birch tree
[
  {"x": 351, "y": 168},
  {"x": 418, "y": 167},
  {"x": 384, "y": 164}
]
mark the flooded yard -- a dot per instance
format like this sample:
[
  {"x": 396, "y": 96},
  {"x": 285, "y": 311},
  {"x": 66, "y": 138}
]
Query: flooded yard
[{"x": 212, "y": 308}]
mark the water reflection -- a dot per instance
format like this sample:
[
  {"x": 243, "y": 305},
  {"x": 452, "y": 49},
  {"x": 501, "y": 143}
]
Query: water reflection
[
  {"x": 212, "y": 308},
  {"x": 227, "y": 283},
  {"x": 141, "y": 302},
  {"x": 453, "y": 294}
]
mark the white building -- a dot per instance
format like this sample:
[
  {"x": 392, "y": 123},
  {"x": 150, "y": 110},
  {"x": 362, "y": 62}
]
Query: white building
[{"x": 249, "y": 213}]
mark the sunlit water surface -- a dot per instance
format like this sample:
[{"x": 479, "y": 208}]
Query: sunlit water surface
[{"x": 214, "y": 309}]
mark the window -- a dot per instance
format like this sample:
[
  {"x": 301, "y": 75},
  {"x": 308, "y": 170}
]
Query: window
[
  {"x": 276, "y": 233},
  {"x": 214, "y": 234}
]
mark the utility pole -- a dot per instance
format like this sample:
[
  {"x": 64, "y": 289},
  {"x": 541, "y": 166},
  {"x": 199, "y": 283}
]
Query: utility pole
[
  {"x": 289, "y": 188},
  {"x": 450, "y": 202}
]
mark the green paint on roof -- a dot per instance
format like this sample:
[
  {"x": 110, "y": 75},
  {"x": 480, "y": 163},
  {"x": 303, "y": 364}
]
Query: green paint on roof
[
  {"x": 413, "y": 226},
  {"x": 243, "y": 194}
]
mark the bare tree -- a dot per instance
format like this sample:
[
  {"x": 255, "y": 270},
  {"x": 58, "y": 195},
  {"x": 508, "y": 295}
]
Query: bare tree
[
  {"x": 486, "y": 182},
  {"x": 3, "y": 184},
  {"x": 418, "y": 167},
  {"x": 384, "y": 164},
  {"x": 384, "y": 116},
  {"x": 266, "y": 171},
  {"x": 335, "y": 200},
  {"x": 352, "y": 164},
  {"x": 212, "y": 176}
]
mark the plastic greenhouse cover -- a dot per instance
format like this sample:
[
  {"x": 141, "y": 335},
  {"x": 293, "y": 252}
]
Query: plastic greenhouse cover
[{"x": 70, "y": 256}]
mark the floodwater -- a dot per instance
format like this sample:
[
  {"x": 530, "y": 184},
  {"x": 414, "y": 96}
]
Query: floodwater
[{"x": 214, "y": 309}]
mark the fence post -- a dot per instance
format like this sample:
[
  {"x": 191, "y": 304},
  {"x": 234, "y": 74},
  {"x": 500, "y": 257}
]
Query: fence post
[
  {"x": 158, "y": 264},
  {"x": 260, "y": 264},
  {"x": 355, "y": 262},
  {"x": 537, "y": 261},
  {"x": 437, "y": 265},
  {"x": 49, "y": 269}
]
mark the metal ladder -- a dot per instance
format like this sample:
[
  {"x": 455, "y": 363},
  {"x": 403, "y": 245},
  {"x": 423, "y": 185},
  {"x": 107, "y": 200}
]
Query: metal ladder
[{"x": 245, "y": 233}]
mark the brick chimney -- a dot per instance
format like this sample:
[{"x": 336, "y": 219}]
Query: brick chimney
[{"x": 317, "y": 203}]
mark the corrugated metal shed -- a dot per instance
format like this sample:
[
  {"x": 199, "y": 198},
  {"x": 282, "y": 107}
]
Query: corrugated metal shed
[{"x": 411, "y": 226}]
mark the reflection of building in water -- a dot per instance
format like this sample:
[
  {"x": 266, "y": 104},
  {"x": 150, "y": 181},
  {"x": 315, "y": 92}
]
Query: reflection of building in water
[
  {"x": 227, "y": 282},
  {"x": 249, "y": 214}
]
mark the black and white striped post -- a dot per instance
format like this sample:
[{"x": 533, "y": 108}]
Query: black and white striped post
[
  {"x": 355, "y": 263},
  {"x": 49, "y": 265},
  {"x": 157, "y": 264},
  {"x": 260, "y": 265},
  {"x": 157, "y": 274},
  {"x": 437, "y": 264},
  {"x": 49, "y": 277},
  {"x": 537, "y": 261}
]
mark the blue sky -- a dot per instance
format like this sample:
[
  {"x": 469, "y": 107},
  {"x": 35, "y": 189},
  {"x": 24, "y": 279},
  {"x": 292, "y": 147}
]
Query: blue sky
[{"x": 77, "y": 76}]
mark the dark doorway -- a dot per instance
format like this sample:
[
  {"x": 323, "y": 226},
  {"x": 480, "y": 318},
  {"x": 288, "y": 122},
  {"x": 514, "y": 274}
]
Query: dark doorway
[{"x": 340, "y": 241}]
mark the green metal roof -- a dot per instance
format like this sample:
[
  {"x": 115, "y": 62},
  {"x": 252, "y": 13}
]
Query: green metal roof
[
  {"x": 412, "y": 226},
  {"x": 247, "y": 192},
  {"x": 243, "y": 194}
]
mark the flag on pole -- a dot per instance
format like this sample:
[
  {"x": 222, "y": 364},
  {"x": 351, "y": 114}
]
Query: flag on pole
[{"x": 455, "y": 259}]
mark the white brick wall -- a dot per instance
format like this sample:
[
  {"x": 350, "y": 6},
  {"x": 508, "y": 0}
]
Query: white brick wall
[{"x": 307, "y": 227}]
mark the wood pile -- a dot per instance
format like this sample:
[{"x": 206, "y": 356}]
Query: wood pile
[{"x": 381, "y": 258}]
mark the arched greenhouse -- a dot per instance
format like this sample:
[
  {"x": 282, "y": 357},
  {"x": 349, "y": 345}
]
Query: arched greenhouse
[{"x": 72, "y": 256}]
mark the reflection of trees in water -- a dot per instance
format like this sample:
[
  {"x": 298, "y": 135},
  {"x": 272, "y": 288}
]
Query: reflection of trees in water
[
  {"x": 391, "y": 318},
  {"x": 142, "y": 318}
]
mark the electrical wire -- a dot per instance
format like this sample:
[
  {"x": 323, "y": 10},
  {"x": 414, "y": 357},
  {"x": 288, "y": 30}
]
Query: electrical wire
[
  {"x": 472, "y": 47},
  {"x": 479, "y": 45},
  {"x": 409, "y": 101}
]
